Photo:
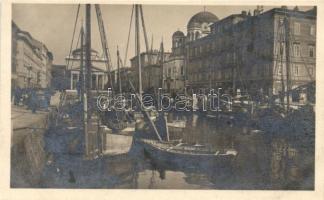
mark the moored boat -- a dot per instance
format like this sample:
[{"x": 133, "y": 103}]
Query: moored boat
[
  {"x": 117, "y": 142},
  {"x": 186, "y": 156}
]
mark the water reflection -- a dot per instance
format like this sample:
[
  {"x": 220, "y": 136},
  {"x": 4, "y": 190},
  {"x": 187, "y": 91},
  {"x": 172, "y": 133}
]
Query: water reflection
[{"x": 263, "y": 162}]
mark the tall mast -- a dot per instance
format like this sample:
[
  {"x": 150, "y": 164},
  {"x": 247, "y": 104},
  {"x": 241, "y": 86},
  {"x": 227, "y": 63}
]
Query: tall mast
[
  {"x": 287, "y": 62},
  {"x": 152, "y": 44},
  {"x": 86, "y": 104},
  {"x": 87, "y": 52},
  {"x": 138, "y": 49},
  {"x": 162, "y": 59},
  {"x": 104, "y": 44},
  {"x": 81, "y": 79},
  {"x": 145, "y": 36},
  {"x": 234, "y": 73},
  {"x": 162, "y": 52},
  {"x": 137, "y": 53},
  {"x": 281, "y": 52},
  {"x": 118, "y": 71},
  {"x": 84, "y": 94}
]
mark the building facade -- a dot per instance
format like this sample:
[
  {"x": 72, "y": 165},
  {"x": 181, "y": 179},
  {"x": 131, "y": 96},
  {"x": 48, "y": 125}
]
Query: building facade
[
  {"x": 152, "y": 64},
  {"x": 125, "y": 74},
  {"x": 60, "y": 81},
  {"x": 173, "y": 68},
  {"x": 31, "y": 61},
  {"x": 99, "y": 71},
  {"x": 249, "y": 53}
]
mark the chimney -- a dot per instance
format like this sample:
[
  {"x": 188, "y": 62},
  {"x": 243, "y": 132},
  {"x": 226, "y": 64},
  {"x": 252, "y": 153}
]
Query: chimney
[{"x": 244, "y": 13}]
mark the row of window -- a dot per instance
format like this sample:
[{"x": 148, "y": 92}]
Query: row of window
[
  {"x": 97, "y": 81},
  {"x": 31, "y": 56},
  {"x": 297, "y": 28},
  {"x": 225, "y": 42},
  {"x": 168, "y": 71},
  {"x": 230, "y": 56},
  {"x": 215, "y": 45},
  {"x": 297, "y": 50},
  {"x": 296, "y": 69},
  {"x": 299, "y": 70}
]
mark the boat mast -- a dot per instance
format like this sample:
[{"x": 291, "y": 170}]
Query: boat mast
[
  {"x": 137, "y": 55},
  {"x": 151, "y": 44},
  {"x": 137, "y": 50},
  {"x": 118, "y": 71},
  {"x": 162, "y": 61},
  {"x": 287, "y": 35},
  {"x": 145, "y": 36},
  {"x": 281, "y": 51},
  {"x": 81, "y": 79},
  {"x": 233, "y": 74},
  {"x": 104, "y": 44},
  {"x": 87, "y": 94}
]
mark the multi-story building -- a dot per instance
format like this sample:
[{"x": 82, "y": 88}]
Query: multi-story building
[
  {"x": 60, "y": 81},
  {"x": 125, "y": 74},
  {"x": 173, "y": 68},
  {"x": 151, "y": 63},
  {"x": 248, "y": 53},
  {"x": 31, "y": 60},
  {"x": 99, "y": 71}
]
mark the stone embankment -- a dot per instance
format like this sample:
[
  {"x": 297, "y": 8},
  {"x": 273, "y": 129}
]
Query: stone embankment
[{"x": 28, "y": 156}]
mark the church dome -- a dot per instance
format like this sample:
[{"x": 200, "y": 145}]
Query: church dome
[
  {"x": 200, "y": 18},
  {"x": 178, "y": 34}
]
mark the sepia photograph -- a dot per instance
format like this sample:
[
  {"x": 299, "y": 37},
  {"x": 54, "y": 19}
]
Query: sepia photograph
[{"x": 158, "y": 96}]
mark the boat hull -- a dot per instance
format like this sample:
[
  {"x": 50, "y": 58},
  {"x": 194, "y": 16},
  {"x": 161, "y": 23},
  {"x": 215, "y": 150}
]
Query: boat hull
[
  {"x": 179, "y": 161},
  {"x": 117, "y": 143}
]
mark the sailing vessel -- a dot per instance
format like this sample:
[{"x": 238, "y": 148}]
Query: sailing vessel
[
  {"x": 108, "y": 132},
  {"x": 159, "y": 147},
  {"x": 117, "y": 125}
]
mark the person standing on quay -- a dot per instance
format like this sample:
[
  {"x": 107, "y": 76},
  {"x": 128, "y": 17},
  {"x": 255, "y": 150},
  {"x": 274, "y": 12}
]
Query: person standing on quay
[
  {"x": 17, "y": 96},
  {"x": 33, "y": 101},
  {"x": 48, "y": 96}
]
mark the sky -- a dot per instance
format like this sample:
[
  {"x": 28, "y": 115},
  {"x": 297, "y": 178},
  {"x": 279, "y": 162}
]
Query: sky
[{"x": 53, "y": 25}]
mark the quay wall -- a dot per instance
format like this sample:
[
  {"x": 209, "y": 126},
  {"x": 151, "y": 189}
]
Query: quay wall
[{"x": 28, "y": 156}]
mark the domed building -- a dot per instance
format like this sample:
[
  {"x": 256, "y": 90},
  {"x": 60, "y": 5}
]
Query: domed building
[
  {"x": 177, "y": 38},
  {"x": 173, "y": 68},
  {"x": 198, "y": 25},
  {"x": 99, "y": 77}
]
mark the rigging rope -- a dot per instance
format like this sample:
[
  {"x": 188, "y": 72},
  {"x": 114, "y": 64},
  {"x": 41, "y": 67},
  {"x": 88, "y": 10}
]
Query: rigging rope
[
  {"x": 75, "y": 23},
  {"x": 104, "y": 44},
  {"x": 145, "y": 35},
  {"x": 129, "y": 31},
  {"x": 76, "y": 46}
]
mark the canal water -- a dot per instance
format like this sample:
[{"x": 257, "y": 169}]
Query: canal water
[{"x": 264, "y": 160}]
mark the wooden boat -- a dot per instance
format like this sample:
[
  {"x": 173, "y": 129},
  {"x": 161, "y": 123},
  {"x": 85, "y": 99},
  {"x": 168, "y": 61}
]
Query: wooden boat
[
  {"x": 182, "y": 155},
  {"x": 117, "y": 142},
  {"x": 176, "y": 125}
]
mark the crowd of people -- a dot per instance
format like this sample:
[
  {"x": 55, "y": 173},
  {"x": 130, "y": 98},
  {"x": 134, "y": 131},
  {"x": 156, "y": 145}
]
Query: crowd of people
[{"x": 32, "y": 97}]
